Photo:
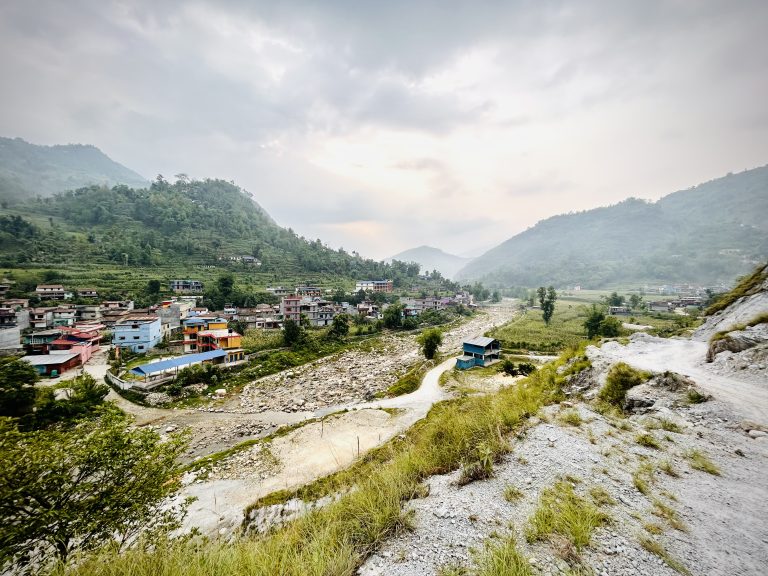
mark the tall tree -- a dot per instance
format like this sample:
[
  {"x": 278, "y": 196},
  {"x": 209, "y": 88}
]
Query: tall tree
[
  {"x": 547, "y": 298},
  {"x": 17, "y": 391}
]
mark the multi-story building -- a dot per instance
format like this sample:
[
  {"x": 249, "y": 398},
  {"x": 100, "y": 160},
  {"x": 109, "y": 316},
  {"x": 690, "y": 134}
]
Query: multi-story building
[
  {"x": 196, "y": 324},
  {"x": 220, "y": 339},
  {"x": 416, "y": 306},
  {"x": 88, "y": 293},
  {"x": 186, "y": 286},
  {"x": 64, "y": 316},
  {"x": 40, "y": 318},
  {"x": 290, "y": 308},
  {"x": 88, "y": 312},
  {"x": 278, "y": 291},
  {"x": 50, "y": 292},
  {"x": 139, "y": 333},
  {"x": 374, "y": 286},
  {"x": 311, "y": 291}
]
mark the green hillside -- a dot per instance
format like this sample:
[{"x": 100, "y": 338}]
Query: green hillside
[
  {"x": 28, "y": 170},
  {"x": 709, "y": 233},
  {"x": 183, "y": 226}
]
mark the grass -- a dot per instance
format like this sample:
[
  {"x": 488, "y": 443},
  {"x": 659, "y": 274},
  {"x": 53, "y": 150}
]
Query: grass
[
  {"x": 570, "y": 418},
  {"x": 512, "y": 493},
  {"x": 655, "y": 547},
  {"x": 668, "y": 469},
  {"x": 669, "y": 514},
  {"x": 642, "y": 477},
  {"x": 411, "y": 380},
  {"x": 695, "y": 397},
  {"x": 500, "y": 558},
  {"x": 529, "y": 333},
  {"x": 747, "y": 285},
  {"x": 621, "y": 378},
  {"x": 335, "y": 539},
  {"x": 601, "y": 497},
  {"x": 669, "y": 426},
  {"x": 700, "y": 461},
  {"x": 648, "y": 440},
  {"x": 563, "y": 512}
]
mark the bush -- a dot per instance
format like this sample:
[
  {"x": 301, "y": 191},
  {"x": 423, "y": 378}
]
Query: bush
[{"x": 621, "y": 378}]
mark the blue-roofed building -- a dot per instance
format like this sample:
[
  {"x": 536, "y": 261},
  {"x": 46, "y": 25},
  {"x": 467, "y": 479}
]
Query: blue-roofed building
[{"x": 479, "y": 351}]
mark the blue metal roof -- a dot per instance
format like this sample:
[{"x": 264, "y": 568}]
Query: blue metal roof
[{"x": 188, "y": 359}]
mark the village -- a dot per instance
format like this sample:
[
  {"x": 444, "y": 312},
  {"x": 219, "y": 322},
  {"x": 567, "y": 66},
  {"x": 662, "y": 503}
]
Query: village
[{"x": 58, "y": 337}]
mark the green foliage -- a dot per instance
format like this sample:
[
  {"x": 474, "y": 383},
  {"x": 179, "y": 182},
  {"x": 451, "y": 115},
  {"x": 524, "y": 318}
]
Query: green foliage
[
  {"x": 501, "y": 559},
  {"x": 75, "y": 489},
  {"x": 294, "y": 334},
  {"x": 562, "y": 511},
  {"x": 593, "y": 321},
  {"x": 700, "y": 461},
  {"x": 430, "y": 340},
  {"x": 521, "y": 369},
  {"x": 393, "y": 316},
  {"x": 621, "y": 378},
  {"x": 746, "y": 285},
  {"x": 547, "y": 298},
  {"x": 340, "y": 327},
  {"x": 677, "y": 239},
  {"x": 84, "y": 395},
  {"x": 17, "y": 392},
  {"x": 610, "y": 327},
  {"x": 614, "y": 299},
  {"x": 648, "y": 440}
]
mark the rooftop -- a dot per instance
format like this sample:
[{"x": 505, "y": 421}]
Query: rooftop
[
  {"x": 48, "y": 359},
  {"x": 187, "y": 360},
  {"x": 222, "y": 333},
  {"x": 481, "y": 341}
]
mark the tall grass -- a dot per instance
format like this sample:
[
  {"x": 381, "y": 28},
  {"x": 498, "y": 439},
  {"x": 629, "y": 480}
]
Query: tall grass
[{"x": 334, "y": 540}]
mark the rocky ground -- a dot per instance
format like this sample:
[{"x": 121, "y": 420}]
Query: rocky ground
[
  {"x": 355, "y": 375},
  {"x": 705, "y": 523}
]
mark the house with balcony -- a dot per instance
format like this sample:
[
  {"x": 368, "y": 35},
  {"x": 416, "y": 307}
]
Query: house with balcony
[
  {"x": 196, "y": 324},
  {"x": 39, "y": 342},
  {"x": 40, "y": 318},
  {"x": 64, "y": 317},
  {"x": 88, "y": 293},
  {"x": 188, "y": 286},
  {"x": 479, "y": 351},
  {"x": 138, "y": 333},
  {"x": 50, "y": 292}
]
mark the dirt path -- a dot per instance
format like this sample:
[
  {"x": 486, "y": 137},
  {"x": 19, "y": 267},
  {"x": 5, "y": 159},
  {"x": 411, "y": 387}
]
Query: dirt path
[{"x": 686, "y": 357}]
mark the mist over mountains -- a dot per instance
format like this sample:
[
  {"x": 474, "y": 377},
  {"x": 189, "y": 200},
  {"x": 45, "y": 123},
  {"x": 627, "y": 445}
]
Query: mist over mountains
[
  {"x": 709, "y": 233},
  {"x": 433, "y": 259},
  {"x": 28, "y": 170}
]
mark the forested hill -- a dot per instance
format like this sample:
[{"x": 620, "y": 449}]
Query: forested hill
[
  {"x": 709, "y": 233},
  {"x": 28, "y": 170},
  {"x": 187, "y": 223}
]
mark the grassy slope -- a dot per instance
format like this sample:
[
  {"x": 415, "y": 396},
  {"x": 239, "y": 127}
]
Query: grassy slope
[{"x": 336, "y": 539}]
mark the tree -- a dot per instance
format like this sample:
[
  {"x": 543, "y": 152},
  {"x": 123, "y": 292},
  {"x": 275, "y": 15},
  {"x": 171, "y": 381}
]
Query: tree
[
  {"x": 592, "y": 323},
  {"x": 393, "y": 316},
  {"x": 293, "y": 333},
  {"x": 340, "y": 327},
  {"x": 610, "y": 327},
  {"x": 17, "y": 391},
  {"x": 153, "y": 286},
  {"x": 547, "y": 298},
  {"x": 101, "y": 481},
  {"x": 635, "y": 300},
  {"x": 225, "y": 284},
  {"x": 614, "y": 299},
  {"x": 430, "y": 340},
  {"x": 496, "y": 296}
]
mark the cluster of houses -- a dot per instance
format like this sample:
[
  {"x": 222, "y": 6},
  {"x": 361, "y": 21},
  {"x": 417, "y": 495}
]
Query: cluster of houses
[{"x": 64, "y": 335}]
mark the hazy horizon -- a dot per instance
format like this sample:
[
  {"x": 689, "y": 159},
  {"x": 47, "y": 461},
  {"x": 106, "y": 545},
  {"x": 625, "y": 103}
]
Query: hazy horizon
[{"x": 381, "y": 128}]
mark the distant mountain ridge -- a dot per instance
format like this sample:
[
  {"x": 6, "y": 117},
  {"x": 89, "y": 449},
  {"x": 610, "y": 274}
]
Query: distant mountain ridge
[
  {"x": 708, "y": 233},
  {"x": 433, "y": 259},
  {"x": 29, "y": 170}
]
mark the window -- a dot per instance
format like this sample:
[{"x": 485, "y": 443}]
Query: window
[
  {"x": 121, "y": 338},
  {"x": 141, "y": 347},
  {"x": 135, "y": 337}
]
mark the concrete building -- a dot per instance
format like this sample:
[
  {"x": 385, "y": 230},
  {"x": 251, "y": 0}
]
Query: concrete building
[
  {"x": 374, "y": 286},
  {"x": 139, "y": 334},
  {"x": 50, "y": 292},
  {"x": 290, "y": 308},
  {"x": 186, "y": 286},
  {"x": 479, "y": 351}
]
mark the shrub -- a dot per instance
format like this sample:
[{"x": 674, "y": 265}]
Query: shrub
[{"x": 621, "y": 378}]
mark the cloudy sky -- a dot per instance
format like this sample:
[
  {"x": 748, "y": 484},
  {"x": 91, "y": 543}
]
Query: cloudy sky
[{"x": 383, "y": 125}]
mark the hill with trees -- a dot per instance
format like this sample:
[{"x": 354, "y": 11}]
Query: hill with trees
[
  {"x": 433, "y": 259},
  {"x": 189, "y": 223},
  {"x": 709, "y": 233},
  {"x": 28, "y": 170}
]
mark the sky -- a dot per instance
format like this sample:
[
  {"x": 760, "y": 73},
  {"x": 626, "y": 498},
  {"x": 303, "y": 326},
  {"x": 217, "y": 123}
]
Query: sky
[{"x": 380, "y": 126}]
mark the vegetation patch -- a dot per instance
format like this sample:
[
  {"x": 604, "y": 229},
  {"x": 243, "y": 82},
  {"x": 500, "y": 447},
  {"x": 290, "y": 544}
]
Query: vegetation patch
[
  {"x": 746, "y": 286},
  {"x": 655, "y": 547},
  {"x": 695, "y": 397},
  {"x": 570, "y": 418},
  {"x": 411, "y": 380},
  {"x": 563, "y": 512},
  {"x": 621, "y": 378},
  {"x": 642, "y": 477},
  {"x": 501, "y": 558},
  {"x": 648, "y": 440},
  {"x": 700, "y": 461},
  {"x": 512, "y": 493}
]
